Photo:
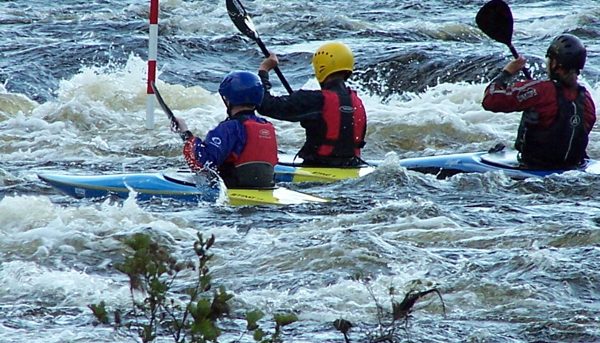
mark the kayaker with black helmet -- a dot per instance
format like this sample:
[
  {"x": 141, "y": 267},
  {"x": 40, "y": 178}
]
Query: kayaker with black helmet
[
  {"x": 334, "y": 118},
  {"x": 243, "y": 147},
  {"x": 558, "y": 114}
]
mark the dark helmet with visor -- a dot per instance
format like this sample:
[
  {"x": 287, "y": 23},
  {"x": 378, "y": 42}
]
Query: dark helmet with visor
[{"x": 568, "y": 51}]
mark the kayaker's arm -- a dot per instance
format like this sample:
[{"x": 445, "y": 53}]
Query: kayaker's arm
[
  {"x": 497, "y": 95},
  {"x": 502, "y": 79},
  {"x": 189, "y": 153},
  {"x": 227, "y": 138},
  {"x": 502, "y": 96},
  {"x": 300, "y": 105}
]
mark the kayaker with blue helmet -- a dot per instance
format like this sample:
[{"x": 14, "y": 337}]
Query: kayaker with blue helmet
[
  {"x": 334, "y": 118},
  {"x": 558, "y": 114},
  {"x": 243, "y": 147}
]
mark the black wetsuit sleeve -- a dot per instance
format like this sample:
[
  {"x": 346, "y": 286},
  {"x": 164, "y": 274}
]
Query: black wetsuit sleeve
[
  {"x": 300, "y": 105},
  {"x": 502, "y": 79}
]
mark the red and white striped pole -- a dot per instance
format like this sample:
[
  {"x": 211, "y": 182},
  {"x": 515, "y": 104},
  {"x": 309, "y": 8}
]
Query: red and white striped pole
[{"x": 152, "y": 54}]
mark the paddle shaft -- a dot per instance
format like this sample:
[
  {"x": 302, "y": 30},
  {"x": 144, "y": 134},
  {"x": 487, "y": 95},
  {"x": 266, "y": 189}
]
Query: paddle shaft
[
  {"x": 516, "y": 55},
  {"x": 241, "y": 19},
  {"x": 164, "y": 106},
  {"x": 174, "y": 124},
  {"x": 266, "y": 52}
]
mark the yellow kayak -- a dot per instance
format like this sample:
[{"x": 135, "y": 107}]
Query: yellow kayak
[{"x": 290, "y": 169}]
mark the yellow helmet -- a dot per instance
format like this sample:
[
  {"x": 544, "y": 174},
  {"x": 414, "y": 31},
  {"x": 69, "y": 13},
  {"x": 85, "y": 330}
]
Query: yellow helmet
[{"x": 330, "y": 58}]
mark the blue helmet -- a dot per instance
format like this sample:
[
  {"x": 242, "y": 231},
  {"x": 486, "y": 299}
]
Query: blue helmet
[{"x": 242, "y": 88}]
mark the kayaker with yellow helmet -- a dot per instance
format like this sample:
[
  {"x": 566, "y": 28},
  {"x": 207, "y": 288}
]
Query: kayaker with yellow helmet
[{"x": 334, "y": 117}]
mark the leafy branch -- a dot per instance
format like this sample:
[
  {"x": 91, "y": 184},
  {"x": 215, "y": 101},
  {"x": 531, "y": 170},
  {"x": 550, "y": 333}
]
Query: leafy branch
[
  {"x": 400, "y": 314},
  {"x": 189, "y": 317}
]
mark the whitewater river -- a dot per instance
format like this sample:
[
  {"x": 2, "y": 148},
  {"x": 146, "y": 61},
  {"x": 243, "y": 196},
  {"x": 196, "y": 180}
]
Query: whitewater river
[{"x": 515, "y": 261}]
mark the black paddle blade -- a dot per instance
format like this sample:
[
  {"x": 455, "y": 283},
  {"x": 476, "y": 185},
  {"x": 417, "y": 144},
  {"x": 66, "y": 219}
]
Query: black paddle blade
[
  {"x": 243, "y": 22},
  {"x": 240, "y": 18},
  {"x": 495, "y": 20}
]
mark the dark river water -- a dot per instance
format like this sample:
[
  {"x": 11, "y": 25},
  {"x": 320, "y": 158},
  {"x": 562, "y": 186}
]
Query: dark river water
[{"x": 514, "y": 261}]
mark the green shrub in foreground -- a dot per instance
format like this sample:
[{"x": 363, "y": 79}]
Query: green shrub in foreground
[{"x": 152, "y": 272}]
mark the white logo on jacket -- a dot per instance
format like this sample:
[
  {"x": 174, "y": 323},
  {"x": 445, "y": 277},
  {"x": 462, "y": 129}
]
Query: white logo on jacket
[
  {"x": 216, "y": 141},
  {"x": 264, "y": 133},
  {"x": 575, "y": 120},
  {"x": 526, "y": 94}
]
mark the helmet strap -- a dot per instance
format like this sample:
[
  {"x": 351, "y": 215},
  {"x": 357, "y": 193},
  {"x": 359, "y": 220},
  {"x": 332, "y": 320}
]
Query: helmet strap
[
  {"x": 554, "y": 75},
  {"x": 227, "y": 105},
  {"x": 566, "y": 77},
  {"x": 552, "y": 70}
]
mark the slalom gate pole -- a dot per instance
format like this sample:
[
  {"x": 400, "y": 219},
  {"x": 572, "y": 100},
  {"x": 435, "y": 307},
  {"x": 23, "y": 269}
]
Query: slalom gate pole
[{"x": 152, "y": 55}]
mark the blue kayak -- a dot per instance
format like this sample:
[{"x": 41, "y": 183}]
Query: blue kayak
[
  {"x": 187, "y": 186},
  {"x": 183, "y": 186},
  {"x": 444, "y": 166}
]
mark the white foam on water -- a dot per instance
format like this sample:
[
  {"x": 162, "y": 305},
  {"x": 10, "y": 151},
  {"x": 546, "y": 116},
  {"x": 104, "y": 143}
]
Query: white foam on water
[
  {"x": 65, "y": 287},
  {"x": 100, "y": 111},
  {"x": 39, "y": 231}
]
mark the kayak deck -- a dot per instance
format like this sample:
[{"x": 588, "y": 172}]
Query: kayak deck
[
  {"x": 290, "y": 169},
  {"x": 507, "y": 161}
]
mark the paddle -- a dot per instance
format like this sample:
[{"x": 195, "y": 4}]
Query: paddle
[
  {"x": 243, "y": 22},
  {"x": 212, "y": 178},
  {"x": 495, "y": 20},
  {"x": 168, "y": 112}
]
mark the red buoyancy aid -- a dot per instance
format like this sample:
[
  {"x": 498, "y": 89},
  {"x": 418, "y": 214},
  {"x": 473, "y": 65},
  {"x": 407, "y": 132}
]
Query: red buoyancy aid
[
  {"x": 345, "y": 125},
  {"x": 261, "y": 144}
]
